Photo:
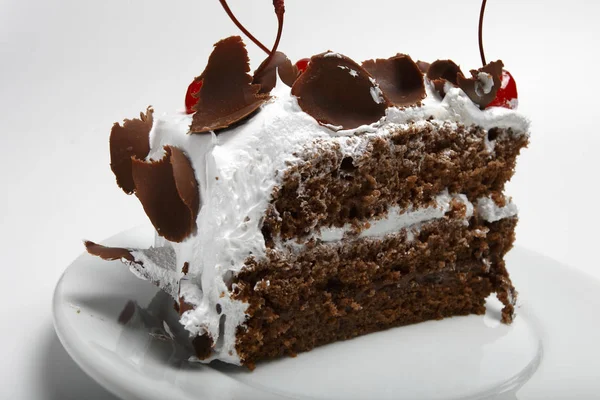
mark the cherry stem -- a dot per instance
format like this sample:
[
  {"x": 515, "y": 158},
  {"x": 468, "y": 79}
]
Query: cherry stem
[
  {"x": 481, "y": 52},
  {"x": 280, "y": 11},
  {"x": 242, "y": 28}
]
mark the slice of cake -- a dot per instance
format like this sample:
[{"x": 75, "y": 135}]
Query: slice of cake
[{"x": 364, "y": 197}]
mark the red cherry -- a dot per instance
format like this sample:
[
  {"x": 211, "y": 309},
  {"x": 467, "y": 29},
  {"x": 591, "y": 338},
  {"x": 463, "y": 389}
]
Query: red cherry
[
  {"x": 302, "y": 64},
  {"x": 190, "y": 96},
  {"x": 507, "y": 96}
]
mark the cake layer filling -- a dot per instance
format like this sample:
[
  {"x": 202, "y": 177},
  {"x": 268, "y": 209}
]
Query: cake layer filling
[
  {"x": 408, "y": 168},
  {"x": 411, "y": 219}
]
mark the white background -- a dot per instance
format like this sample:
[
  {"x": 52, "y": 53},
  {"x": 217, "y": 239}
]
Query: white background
[{"x": 70, "y": 68}]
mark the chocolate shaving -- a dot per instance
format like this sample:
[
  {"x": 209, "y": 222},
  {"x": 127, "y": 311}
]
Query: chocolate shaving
[
  {"x": 108, "y": 253},
  {"x": 127, "y": 313},
  {"x": 442, "y": 71},
  {"x": 423, "y": 66},
  {"x": 185, "y": 180},
  {"x": 227, "y": 95},
  {"x": 399, "y": 78},
  {"x": 168, "y": 191},
  {"x": 266, "y": 77},
  {"x": 203, "y": 346},
  {"x": 183, "y": 306},
  {"x": 339, "y": 93},
  {"x": 131, "y": 139},
  {"x": 484, "y": 84}
]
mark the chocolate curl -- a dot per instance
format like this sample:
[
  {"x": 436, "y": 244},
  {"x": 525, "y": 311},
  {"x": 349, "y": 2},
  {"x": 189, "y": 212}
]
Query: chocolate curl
[
  {"x": 423, "y": 66},
  {"x": 227, "y": 95},
  {"x": 185, "y": 181},
  {"x": 442, "y": 71},
  {"x": 130, "y": 140},
  {"x": 203, "y": 346},
  {"x": 339, "y": 93},
  {"x": 108, "y": 253},
  {"x": 161, "y": 259},
  {"x": 399, "y": 78},
  {"x": 168, "y": 191},
  {"x": 484, "y": 84},
  {"x": 266, "y": 76}
]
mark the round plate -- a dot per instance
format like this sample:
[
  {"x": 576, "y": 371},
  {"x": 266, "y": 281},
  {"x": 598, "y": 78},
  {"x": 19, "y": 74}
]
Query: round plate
[{"x": 124, "y": 333}]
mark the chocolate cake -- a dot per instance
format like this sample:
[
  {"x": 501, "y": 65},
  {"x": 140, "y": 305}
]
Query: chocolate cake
[{"x": 310, "y": 203}]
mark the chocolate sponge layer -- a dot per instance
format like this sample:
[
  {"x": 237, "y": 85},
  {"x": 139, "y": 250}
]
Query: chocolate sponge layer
[
  {"x": 336, "y": 291},
  {"x": 411, "y": 166}
]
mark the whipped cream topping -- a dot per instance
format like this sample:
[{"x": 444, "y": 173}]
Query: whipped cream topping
[{"x": 237, "y": 171}]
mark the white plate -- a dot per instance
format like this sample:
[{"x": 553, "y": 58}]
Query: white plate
[{"x": 550, "y": 351}]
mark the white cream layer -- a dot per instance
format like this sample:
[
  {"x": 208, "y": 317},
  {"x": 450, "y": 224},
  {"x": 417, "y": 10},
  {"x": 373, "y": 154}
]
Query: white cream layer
[
  {"x": 411, "y": 219},
  {"x": 237, "y": 171},
  {"x": 398, "y": 219}
]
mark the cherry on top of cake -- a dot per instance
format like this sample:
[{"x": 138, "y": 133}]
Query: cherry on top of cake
[{"x": 332, "y": 88}]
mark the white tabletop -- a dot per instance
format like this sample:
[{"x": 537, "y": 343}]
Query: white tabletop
[{"x": 70, "y": 68}]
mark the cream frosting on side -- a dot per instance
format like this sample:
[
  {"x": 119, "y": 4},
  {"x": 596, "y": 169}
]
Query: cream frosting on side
[
  {"x": 489, "y": 210},
  {"x": 238, "y": 169},
  {"x": 158, "y": 265}
]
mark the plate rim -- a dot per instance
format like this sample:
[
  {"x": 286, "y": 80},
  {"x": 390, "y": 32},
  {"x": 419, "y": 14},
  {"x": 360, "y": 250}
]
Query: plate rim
[{"x": 123, "y": 388}]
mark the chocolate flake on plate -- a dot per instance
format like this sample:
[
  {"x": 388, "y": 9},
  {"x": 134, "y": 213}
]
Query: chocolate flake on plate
[
  {"x": 168, "y": 191},
  {"x": 131, "y": 139},
  {"x": 183, "y": 306},
  {"x": 227, "y": 95},
  {"x": 203, "y": 345},
  {"x": 484, "y": 84},
  {"x": 339, "y": 93},
  {"x": 108, "y": 253},
  {"x": 127, "y": 313},
  {"x": 399, "y": 78},
  {"x": 442, "y": 71}
]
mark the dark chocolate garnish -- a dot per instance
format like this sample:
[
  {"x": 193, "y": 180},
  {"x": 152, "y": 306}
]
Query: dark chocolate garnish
[
  {"x": 484, "y": 84},
  {"x": 442, "y": 71},
  {"x": 185, "y": 180},
  {"x": 203, "y": 345},
  {"x": 168, "y": 191},
  {"x": 131, "y": 139},
  {"x": 265, "y": 74},
  {"x": 423, "y": 66},
  {"x": 266, "y": 77},
  {"x": 338, "y": 92},
  {"x": 184, "y": 306},
  {"x": 227, "y": 94},
  {"x": 127, "y": 313},
  {"x": 108, "y": 253},
  {"x": 399, "y": 78}
]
